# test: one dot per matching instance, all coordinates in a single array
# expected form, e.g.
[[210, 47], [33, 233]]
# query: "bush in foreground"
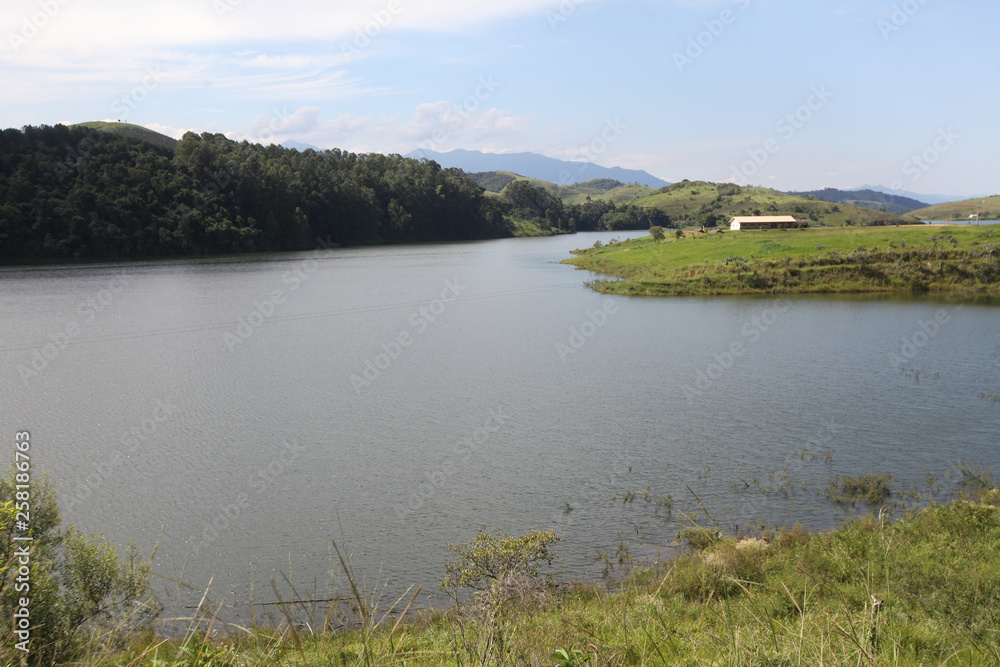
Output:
[[81, 592]]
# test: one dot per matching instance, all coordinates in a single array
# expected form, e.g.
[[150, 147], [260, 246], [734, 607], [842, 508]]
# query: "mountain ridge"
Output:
[[930, 199], [866, 199], [535, 165]]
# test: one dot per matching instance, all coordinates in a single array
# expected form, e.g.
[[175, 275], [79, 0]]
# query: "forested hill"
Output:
[[866, 199], [76, 192]]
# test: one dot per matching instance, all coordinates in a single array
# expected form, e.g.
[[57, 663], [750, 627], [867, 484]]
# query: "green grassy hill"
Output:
[[493, 181], [915, 258], [989, 209], [700, 202], [626, 193], [866, 198], [133, 132], [598, 189]]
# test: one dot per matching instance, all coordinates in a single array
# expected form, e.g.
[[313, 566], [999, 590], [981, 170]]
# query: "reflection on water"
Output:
[[252, 408]]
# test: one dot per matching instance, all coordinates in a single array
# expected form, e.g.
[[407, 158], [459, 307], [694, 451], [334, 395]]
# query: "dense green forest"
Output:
[[536, 203], [78, 192]]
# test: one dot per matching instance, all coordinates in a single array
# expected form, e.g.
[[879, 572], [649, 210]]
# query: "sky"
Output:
[[791, 94]]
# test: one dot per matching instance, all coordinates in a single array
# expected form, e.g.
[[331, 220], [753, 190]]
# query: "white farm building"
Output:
[[762, 222]]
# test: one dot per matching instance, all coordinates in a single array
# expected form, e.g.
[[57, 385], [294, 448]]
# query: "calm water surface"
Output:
[[253, 408]]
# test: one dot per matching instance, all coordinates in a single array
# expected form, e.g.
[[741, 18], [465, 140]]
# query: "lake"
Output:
[[242, 411]]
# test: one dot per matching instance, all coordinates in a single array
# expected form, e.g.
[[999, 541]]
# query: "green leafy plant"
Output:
[[571, 657], [487, 561], [82, 590], [504, 572], [870, 489]]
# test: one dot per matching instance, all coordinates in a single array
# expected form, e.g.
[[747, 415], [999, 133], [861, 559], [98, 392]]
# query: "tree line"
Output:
[[536, 203], [75, 192]]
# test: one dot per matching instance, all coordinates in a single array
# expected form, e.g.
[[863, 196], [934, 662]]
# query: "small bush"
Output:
[[488, 561], [870, 489], [700, 538], [82, 589]]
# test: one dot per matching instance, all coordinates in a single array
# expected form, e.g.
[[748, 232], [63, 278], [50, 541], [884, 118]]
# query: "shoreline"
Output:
[[868, 260]]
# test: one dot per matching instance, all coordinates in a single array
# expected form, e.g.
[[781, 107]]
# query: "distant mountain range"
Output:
[[866, 199], [300, 147], [533, 165], [930, 199]]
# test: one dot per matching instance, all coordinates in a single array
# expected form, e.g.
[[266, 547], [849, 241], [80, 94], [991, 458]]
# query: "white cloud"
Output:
[[439, 126], [177, 133], [279, 124], [115, 25]]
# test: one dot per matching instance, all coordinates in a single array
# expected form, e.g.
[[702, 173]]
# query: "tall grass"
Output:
[[912, 582]]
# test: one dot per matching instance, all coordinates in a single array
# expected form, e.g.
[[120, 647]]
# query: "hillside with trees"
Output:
[[77, 192], [115, 191], [967, 210], [537, 203], [704, 204], [865, 199]]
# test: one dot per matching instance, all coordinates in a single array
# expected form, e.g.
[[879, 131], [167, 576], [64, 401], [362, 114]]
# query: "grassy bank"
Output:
[[525, 228], [850, 259], [914, 588], [987, 208]]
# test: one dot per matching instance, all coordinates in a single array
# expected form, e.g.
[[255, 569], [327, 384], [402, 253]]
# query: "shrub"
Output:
[[486, 562], [503, 571], [81, 589], [870, 489]]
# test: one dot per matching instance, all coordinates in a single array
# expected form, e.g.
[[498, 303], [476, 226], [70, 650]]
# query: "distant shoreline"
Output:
[[909, 259]]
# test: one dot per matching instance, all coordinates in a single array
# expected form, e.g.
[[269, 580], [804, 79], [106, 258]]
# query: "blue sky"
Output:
[[793, 94]]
